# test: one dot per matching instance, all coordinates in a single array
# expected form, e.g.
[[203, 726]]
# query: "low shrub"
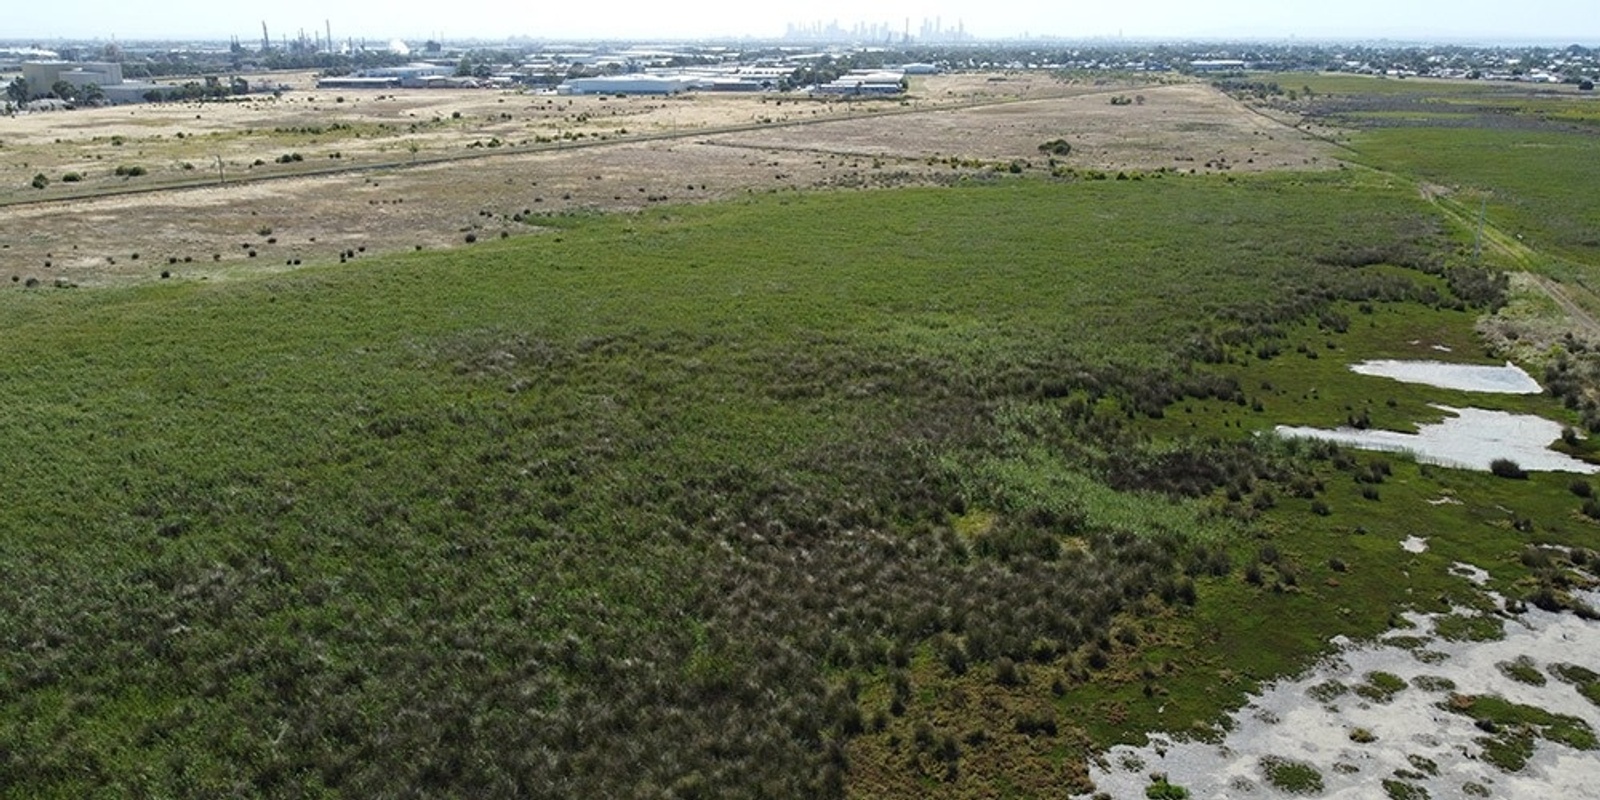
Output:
[[1290, 776], [1056, 147], [1162, 790]]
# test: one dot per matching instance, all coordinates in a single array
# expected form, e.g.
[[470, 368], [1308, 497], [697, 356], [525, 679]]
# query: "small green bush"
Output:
[[1591, 509], [1522, 670], [1381, 687], [1056, 147], [1293, 777], [1400, 790], [1327, 691], [1506, 468], [1162, 790]]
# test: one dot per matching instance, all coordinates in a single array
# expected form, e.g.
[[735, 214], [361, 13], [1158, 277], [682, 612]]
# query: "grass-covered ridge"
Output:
[[713, 500]]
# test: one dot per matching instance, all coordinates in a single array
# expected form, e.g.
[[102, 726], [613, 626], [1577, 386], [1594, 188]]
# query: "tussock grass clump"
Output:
[[1522, 670], [1515, 729], [1585, 680], [1328, 691], [1470, 627], [1401, 790], [1381, 687], [1161, 789], [1291, 776]]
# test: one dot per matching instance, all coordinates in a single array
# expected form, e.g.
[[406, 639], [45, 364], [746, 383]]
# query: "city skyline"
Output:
[[1551, 21]]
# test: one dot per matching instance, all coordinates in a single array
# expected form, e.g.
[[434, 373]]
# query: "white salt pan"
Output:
[[1469, 440], [1509, 379]]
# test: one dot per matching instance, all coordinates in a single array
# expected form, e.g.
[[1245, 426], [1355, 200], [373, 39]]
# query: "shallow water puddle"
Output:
[[1470, 439], [1509, 379]]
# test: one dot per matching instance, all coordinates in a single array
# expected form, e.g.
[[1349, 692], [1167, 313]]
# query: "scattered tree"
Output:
[[18, 91]]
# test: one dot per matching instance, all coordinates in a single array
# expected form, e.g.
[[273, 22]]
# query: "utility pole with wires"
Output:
[[1477, 240]]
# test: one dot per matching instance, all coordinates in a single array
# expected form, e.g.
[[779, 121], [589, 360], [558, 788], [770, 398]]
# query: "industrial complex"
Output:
[[627, 77], [102, 75]]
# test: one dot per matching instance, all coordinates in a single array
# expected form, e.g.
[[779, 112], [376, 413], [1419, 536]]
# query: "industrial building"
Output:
[[638, 83], [42, 75], [704, 79], [356, 82], [416, 75], [1217, 65], [866, 83]]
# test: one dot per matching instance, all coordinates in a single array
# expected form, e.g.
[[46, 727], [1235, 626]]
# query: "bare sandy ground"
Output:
[[529, 155], [1185, 126]]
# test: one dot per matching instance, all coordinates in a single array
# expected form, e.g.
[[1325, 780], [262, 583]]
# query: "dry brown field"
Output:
[[382, 171]]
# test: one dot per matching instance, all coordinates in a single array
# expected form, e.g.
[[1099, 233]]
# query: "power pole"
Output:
[[1477, 240]]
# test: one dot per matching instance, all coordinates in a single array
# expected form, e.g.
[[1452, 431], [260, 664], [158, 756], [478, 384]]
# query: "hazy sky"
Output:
[[1564, 21]]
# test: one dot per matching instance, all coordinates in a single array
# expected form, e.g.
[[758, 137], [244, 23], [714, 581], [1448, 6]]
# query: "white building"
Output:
[[638, 83], [41, 75], [866, 83], [1217, 65]]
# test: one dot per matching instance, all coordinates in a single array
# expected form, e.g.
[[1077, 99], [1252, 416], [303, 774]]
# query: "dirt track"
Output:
[[1585, 322]]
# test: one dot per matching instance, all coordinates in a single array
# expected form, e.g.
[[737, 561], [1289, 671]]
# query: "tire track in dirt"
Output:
[[1492, 237], [1525, 258], [1580, 317]]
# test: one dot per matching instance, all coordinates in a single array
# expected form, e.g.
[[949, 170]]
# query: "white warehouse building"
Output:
[[41, 75], [631, 84]]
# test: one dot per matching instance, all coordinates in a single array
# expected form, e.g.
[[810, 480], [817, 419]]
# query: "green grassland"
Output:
[[1513, 161], [892, 493], [1533, 179], [1529, 151]]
